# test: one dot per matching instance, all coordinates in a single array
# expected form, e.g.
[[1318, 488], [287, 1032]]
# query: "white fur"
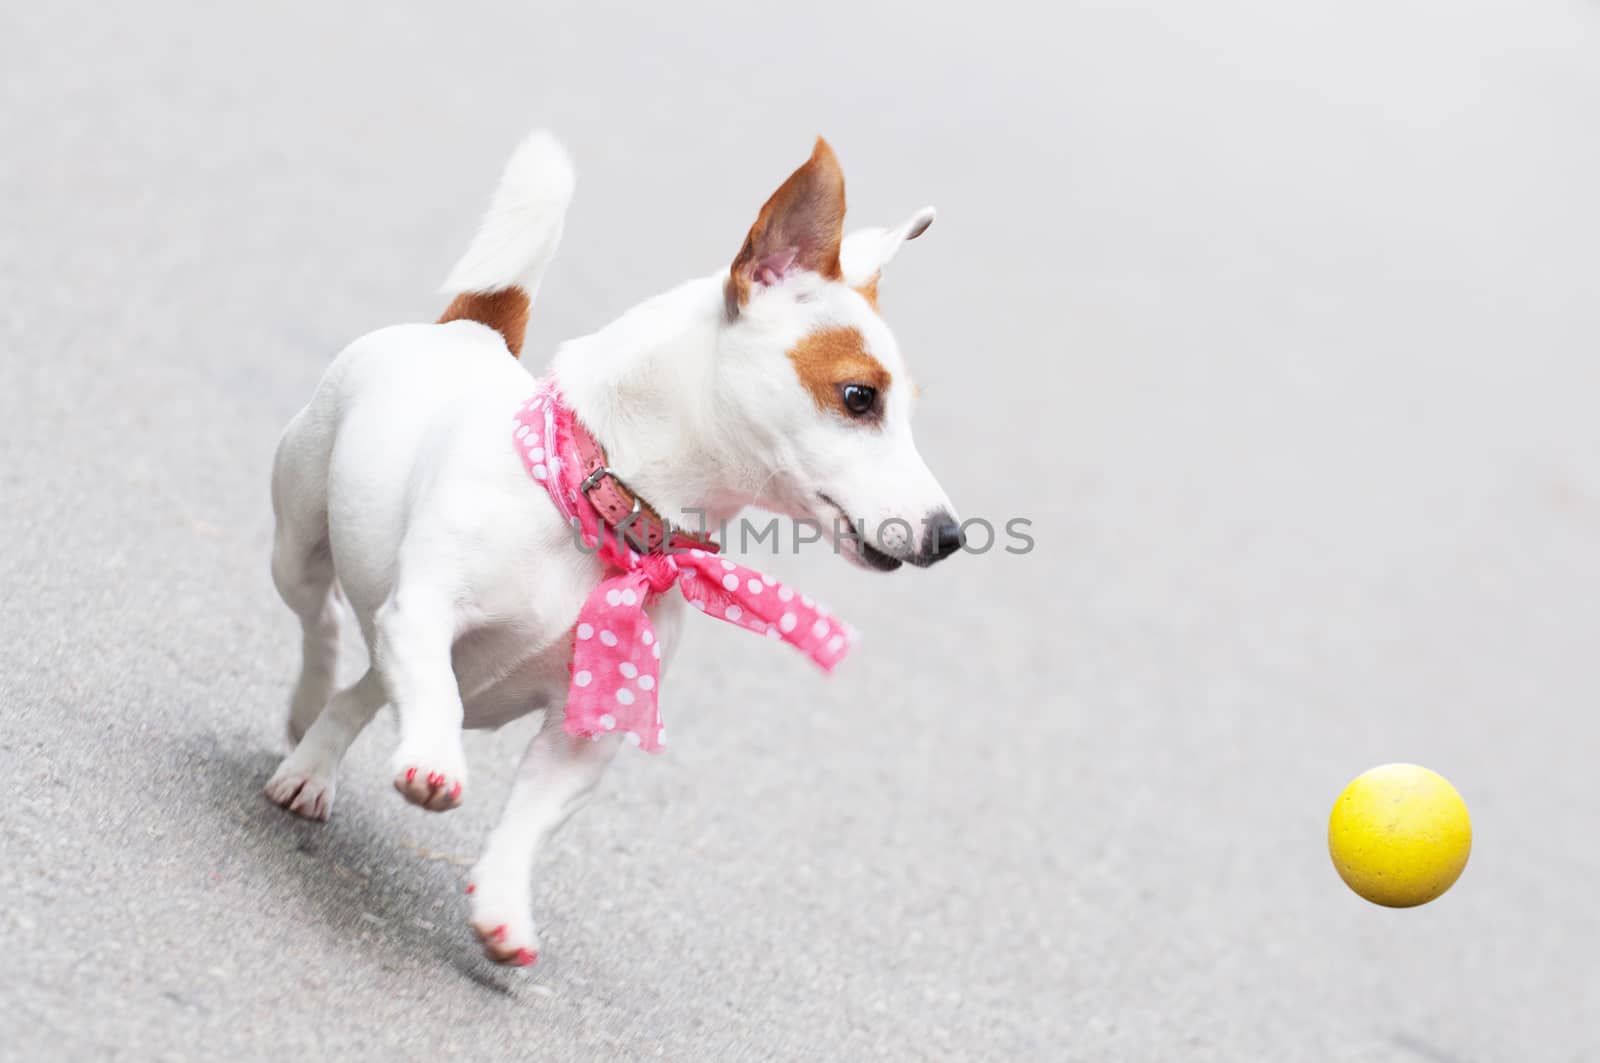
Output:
[[398, 482], [519, 234], [865, 252]]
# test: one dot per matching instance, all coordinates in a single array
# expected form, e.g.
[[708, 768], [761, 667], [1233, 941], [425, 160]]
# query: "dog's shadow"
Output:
[[348, 875]]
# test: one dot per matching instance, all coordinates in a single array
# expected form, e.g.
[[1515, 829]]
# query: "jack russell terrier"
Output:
[[501, 537]]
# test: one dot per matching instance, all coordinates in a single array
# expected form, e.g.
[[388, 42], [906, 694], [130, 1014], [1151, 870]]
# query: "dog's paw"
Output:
[[305, 793], [434, 782], [500, 919]]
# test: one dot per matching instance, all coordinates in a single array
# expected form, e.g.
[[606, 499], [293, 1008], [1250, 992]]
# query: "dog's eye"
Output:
[[860, 399]]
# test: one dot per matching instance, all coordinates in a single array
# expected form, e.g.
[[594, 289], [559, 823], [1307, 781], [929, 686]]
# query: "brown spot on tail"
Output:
[[505, 311]]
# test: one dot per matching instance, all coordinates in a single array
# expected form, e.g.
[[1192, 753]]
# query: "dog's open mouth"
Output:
[[853, 544]]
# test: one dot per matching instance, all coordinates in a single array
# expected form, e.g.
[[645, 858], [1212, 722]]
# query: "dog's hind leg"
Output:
[[319, 662], [302, 563], [304, 783], [557, 775], [411, 649]]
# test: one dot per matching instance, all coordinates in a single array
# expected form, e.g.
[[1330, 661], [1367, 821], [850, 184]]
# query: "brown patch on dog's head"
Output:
[[799, 227], [505, 311], [869, 292], [829, 359]]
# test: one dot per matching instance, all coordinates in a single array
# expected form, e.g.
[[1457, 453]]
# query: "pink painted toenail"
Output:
[[455, 791], [435, 780], [526, 957], [411, 774], [472, 887], [497, 933]]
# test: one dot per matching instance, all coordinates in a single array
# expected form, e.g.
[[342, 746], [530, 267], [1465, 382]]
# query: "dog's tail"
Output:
[[496, 280]]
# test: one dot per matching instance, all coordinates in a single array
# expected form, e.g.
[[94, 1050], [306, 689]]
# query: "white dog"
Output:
[[773, 383]]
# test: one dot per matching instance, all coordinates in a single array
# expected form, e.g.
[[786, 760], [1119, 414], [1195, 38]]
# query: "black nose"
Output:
[[944, 536]]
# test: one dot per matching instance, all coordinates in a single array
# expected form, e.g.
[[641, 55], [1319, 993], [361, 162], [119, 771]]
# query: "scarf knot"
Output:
[[660, 571]]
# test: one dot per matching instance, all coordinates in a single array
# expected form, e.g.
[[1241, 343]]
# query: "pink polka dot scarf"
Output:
[[616, 660]]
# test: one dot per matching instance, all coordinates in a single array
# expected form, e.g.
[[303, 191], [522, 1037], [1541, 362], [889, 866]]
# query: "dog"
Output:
[[773, 383]]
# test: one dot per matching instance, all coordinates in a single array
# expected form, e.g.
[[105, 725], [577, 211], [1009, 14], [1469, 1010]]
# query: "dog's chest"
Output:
[[521, 661], [504, 673]]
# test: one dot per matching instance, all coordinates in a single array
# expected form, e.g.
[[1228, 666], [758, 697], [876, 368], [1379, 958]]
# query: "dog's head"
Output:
[[811, 385]]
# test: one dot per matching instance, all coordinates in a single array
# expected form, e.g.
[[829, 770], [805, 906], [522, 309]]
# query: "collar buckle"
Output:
[[631, 527]]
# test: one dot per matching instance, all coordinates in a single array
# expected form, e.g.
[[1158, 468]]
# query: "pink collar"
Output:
[[616, 659]]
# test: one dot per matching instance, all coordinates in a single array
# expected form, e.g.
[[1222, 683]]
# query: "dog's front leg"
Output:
[[557, 774], [411, 651]]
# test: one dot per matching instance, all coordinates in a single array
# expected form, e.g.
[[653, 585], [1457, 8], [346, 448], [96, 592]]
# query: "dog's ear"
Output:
[[865, 252], [799, 228]]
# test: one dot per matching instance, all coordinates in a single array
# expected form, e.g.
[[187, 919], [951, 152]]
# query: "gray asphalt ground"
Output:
[[1280, 321]]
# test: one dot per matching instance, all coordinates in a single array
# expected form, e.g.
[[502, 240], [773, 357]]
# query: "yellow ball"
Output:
[[1399, 835]]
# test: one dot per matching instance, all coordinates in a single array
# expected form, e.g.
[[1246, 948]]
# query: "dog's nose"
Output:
[[944, 536]]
